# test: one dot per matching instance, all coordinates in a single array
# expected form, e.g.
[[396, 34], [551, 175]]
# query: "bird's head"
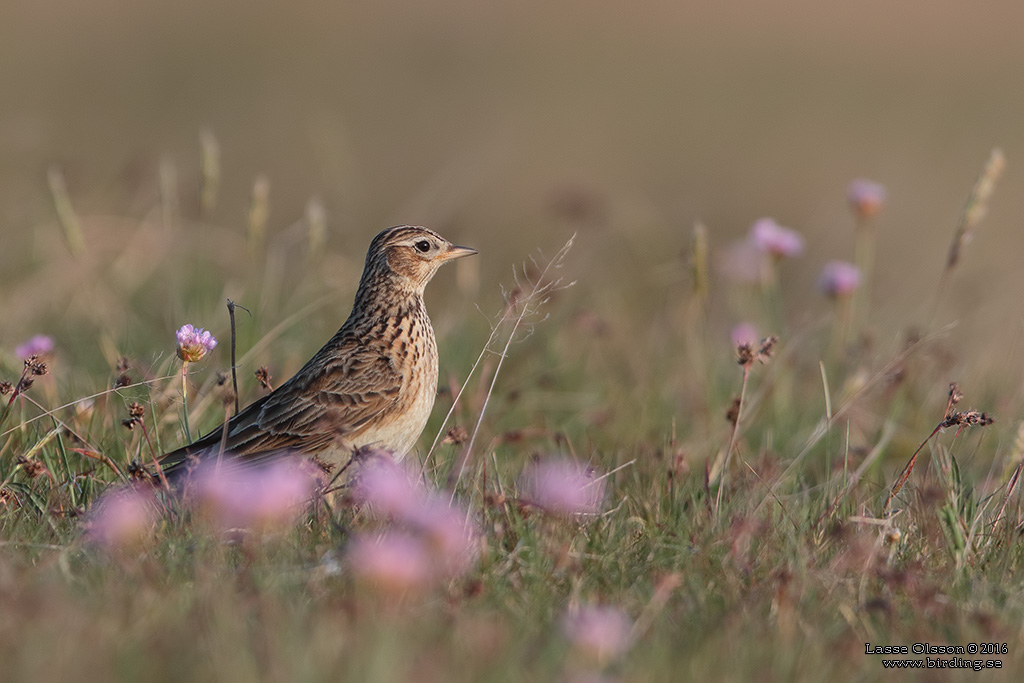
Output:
[[410, 255]]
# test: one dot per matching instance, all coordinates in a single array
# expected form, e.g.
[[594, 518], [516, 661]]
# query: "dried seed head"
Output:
[[123, 380], [745, 354], [263, 377], [224, 389], [970, 418], [8, 499], [135, 415], [767, 347], [138, 473], [35, 365], [979, 419], [6, 388], [954, 393], [123, 364], [456, 435], [31, 467], [733, 413]]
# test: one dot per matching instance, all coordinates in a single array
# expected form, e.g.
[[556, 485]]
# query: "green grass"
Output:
[[783, 572]]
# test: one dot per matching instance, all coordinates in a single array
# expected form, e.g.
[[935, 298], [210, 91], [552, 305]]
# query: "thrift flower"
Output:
[[839, 279], [744, 333], [741, 262], [238, 496], [121, 518], [865, 197], [393, 563], [39, 345], [389, 488], [564, 487], [600, 633], [771, 238], [393, 492], [194, 343], [450, 539]]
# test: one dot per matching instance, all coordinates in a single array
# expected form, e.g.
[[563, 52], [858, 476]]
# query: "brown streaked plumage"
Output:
[[371, 385]]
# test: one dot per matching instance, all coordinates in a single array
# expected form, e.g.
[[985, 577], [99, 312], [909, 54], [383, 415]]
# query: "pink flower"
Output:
[[39, 345], [436, 538], [866, 198], [393, 563], [121, 518], [393, 492], [563, 487], [389, 488], [239, 496], [742, 262], [839, 278], [773, 239], [601, 633], [744, 333], [194, 343], [450, 537]]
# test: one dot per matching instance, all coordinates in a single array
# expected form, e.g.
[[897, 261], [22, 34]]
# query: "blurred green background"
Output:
[[508, 126]]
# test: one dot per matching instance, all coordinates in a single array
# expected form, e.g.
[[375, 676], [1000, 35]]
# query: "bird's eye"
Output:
[[422, 246]]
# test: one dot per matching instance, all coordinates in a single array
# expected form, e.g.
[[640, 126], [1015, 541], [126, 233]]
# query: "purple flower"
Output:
[[239, 496], [121, 518], [839, 278], [601, 633], [563, 487], [392, 491], [393, 563], [194, 343], [773, 239], [39, 345], [744, 333], [866, 198], [742, 262], [389, 488], [450, 537]]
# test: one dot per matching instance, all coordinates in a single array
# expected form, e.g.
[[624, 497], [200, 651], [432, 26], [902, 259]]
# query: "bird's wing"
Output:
[[345, 385]]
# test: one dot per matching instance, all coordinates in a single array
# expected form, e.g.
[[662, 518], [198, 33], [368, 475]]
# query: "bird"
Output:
[[371, 386]]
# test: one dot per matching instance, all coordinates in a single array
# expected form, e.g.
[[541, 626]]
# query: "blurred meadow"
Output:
[[157, 159]]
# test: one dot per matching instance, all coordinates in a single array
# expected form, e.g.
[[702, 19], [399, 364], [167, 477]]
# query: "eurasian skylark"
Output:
[[371, 385]]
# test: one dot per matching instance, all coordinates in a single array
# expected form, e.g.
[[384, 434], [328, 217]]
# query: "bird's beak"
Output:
[[455, 252]]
